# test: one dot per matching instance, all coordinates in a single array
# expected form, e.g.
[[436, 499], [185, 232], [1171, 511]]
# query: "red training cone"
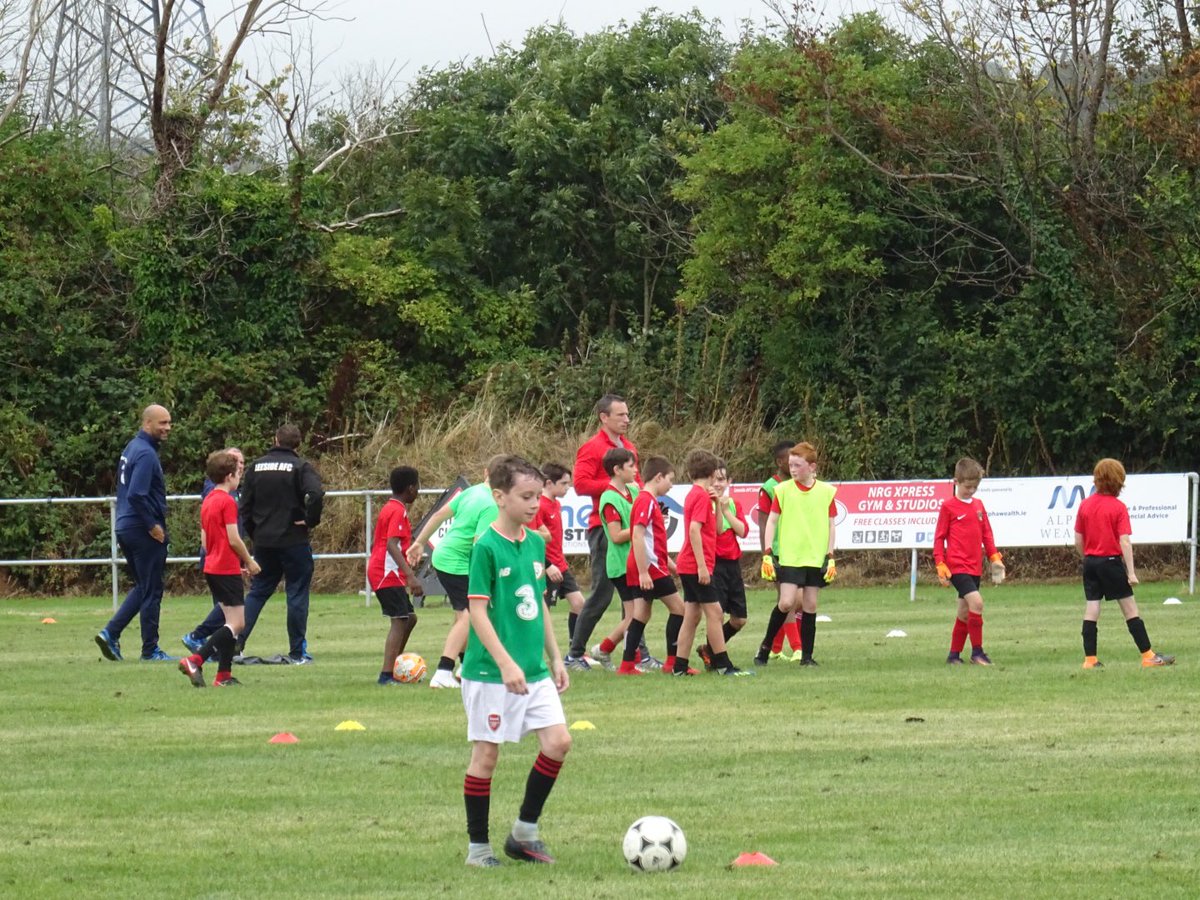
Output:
[[284, 737], [753, 859]]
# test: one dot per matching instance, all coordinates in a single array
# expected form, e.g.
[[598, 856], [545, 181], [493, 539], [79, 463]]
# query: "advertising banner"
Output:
[[891, 515]]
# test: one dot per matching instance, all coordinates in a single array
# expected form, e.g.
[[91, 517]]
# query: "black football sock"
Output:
[[729, 631], [446, 664], [778, 617], [571, 617], [537, 788], [478, 795], [721, 661], [222, 643], [808, 633], [674, 623], [681, 665], [1089, 637], [633, 637], [1137, 628]]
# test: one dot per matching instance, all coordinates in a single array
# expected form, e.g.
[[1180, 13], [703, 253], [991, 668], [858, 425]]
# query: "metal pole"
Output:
[[112, 547], [1194, 478], [912, 578], [367, 564]]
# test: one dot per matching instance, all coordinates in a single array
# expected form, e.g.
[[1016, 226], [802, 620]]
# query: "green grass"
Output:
[[882, 773]]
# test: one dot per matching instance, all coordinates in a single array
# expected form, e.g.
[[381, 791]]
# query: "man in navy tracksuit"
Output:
[[141, 535], [281, 500]]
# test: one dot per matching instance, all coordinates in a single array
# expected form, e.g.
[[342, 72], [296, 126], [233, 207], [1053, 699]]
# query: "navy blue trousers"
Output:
[[147, 561]]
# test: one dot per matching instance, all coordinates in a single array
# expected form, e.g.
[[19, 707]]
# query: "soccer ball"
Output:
[[654, 844], [409, 668]]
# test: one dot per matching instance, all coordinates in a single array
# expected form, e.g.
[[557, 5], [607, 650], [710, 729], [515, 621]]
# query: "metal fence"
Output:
[[115, 559]]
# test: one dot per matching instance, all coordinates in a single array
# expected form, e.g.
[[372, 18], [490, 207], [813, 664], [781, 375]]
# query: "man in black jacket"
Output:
[[281, 500]]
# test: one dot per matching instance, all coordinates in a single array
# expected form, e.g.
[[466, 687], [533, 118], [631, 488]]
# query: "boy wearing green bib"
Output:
[[616, 504], [470, 512], [803, 517]]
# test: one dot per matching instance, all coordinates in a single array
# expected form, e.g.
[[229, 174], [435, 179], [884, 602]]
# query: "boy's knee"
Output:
[[560, 744]]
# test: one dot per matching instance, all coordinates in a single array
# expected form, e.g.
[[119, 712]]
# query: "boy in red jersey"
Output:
[[648, 572], [727, 574], [803, 517], [548, 523], [388, 571], [962, 527], [224, 555], [512, 672], [1102, 537], [766, 496], [695, 564]]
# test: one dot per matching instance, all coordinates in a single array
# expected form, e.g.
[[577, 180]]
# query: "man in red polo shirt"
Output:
[[590, 480]]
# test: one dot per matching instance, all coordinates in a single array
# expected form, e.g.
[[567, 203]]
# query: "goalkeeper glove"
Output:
[[997, 561], [943, 571], [829, 570], [768, 568]]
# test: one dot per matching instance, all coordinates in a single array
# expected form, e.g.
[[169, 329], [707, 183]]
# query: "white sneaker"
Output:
[[443, 679], [605, 659]]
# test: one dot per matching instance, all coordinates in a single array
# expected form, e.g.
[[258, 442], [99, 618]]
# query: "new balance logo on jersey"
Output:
[[537, 570], [505, 572]]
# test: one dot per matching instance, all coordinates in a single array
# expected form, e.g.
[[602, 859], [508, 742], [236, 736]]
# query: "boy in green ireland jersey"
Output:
[[508, 690]]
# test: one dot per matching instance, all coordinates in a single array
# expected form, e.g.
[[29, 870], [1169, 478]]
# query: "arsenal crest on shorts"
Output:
[[494, 721]]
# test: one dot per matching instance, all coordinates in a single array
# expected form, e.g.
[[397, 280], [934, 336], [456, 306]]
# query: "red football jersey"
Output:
[[1102, 519], [647, 513], [549, 515], [698, 507], [962, 528], [216, 512], [393, 522]]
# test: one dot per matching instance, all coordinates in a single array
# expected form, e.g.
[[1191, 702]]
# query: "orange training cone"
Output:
[[49, 621], [753, 859], [284, 737]]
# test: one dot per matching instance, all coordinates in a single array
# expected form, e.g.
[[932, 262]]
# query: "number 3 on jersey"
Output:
[[527, 608]]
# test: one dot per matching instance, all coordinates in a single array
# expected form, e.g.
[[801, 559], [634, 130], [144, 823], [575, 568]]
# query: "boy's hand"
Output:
[[943, 572], [554, 573], [829, 570], [416, 589], [645, 582], [702, 574], [514, 678], [767, 570], [1131, 577], [558, 672], [252, 567], [414, 554]]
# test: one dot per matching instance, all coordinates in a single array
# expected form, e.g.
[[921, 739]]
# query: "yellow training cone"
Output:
[[49, 621], [350, 725], [583, 725]]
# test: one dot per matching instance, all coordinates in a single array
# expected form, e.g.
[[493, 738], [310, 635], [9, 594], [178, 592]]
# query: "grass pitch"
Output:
[[882, 773]]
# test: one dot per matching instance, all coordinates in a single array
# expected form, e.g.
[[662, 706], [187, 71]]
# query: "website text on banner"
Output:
[[891, 515]]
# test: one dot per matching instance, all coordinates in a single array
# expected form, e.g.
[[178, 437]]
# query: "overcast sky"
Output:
[[434, 34]]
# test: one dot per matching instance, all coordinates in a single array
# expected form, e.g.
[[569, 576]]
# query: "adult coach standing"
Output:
[[590, 480], [142, 535], [281, 501]]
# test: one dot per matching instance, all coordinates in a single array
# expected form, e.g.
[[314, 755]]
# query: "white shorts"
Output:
[[496, 715]]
